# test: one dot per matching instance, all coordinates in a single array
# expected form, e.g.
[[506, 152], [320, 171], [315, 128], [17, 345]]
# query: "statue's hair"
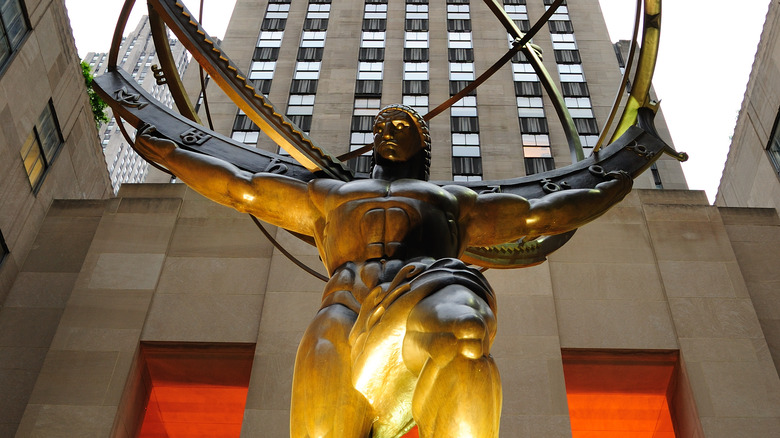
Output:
[[422, 128]]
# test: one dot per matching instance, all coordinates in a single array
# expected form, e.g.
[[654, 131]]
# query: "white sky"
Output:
[[706, 54]]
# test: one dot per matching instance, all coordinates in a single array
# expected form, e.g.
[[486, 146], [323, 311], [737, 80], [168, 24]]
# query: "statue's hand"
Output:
[[620, 183], [151, 147]]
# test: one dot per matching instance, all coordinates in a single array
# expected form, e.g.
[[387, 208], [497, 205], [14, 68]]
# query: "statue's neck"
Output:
[[390, 171]]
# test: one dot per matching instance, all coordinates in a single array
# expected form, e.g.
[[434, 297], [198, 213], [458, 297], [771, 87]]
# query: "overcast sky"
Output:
[[706, 54]]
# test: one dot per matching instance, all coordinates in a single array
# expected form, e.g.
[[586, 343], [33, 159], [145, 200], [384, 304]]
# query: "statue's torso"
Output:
[[377, 219]]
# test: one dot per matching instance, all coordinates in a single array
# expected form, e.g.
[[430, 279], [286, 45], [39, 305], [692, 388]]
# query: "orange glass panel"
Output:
[[195, 390], [619, 394], [412, 433]]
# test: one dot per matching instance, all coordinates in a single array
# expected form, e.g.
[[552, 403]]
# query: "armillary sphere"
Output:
[[633, 146]]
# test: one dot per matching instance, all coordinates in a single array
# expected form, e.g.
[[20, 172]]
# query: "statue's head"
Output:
[[401, 136]]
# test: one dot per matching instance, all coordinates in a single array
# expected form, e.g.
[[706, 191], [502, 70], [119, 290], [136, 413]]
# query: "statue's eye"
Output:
[[400, 125]]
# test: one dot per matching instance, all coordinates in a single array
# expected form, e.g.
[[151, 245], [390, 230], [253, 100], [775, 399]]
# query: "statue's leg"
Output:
[[324, 403], [447, 344]]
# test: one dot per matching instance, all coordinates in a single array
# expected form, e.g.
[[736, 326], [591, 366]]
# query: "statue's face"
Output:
[[396, 137]]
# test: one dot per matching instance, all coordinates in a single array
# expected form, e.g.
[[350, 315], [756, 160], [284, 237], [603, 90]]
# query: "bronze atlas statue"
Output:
[[404, 331]]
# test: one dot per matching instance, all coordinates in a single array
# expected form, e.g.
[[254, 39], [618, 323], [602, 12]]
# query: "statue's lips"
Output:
[[388, 146]]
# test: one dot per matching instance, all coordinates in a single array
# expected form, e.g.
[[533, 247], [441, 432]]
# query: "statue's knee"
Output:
[[468, 337]]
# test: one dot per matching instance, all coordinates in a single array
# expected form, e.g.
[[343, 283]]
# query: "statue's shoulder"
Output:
[[460, 192]]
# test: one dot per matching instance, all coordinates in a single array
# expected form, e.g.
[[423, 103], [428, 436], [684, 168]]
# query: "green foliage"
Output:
[[97, 104]]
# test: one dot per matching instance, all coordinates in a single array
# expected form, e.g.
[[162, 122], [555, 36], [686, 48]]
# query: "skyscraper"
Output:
[[139, 58], [332, 79]]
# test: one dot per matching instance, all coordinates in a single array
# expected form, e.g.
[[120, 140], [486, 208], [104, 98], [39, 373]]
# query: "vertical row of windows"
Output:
[[127, 167], [464, 121], [303, 88], [13, 28], [415, 86], [261, 70], [573, 84], [535, 134], [42, 146], [368, 87]]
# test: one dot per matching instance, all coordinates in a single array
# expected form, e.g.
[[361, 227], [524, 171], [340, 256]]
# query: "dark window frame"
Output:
[[4, 251], [467, 166], [47, 153], [773, 146], [20, 38]]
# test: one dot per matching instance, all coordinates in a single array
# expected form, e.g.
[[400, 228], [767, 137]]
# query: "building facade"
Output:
[[49, 150], [648, 314], [138, 57], [753, 164]]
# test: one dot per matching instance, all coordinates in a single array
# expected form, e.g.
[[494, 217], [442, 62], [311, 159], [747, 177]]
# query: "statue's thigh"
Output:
[[324, 402]]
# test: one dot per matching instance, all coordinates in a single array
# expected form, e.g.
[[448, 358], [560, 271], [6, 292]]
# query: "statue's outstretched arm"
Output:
[[277, 199], [499, 218]]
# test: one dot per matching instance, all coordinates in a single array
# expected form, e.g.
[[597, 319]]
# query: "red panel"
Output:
[[412, 433], [621, 394], [196, 390]]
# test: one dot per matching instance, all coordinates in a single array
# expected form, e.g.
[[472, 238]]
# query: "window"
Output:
[[773, 149], [42, 145], [316, 23], [461, 55], [579, 107], [368, 88], [371, 54], [313, 39], [3, 249], [310, 54], [300, 104], [13, 28], [415, 71], [530, 107], [459, 25], [567, 56], [366, 107], [262, 70], [274, 23], [416, 55], [374, 24], [457, 40], [266, 54], [370, 70], [373, 39], [523, 72], [461, 71], [416, 40], [575, 89], [465, 107], [270, 39], [419, 103], [467, 168], [516, 12], [307, 70], [624, 393], [206, 384], [416, 12], [571, 73], [416, 24], [563, 41], [303, 87]]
